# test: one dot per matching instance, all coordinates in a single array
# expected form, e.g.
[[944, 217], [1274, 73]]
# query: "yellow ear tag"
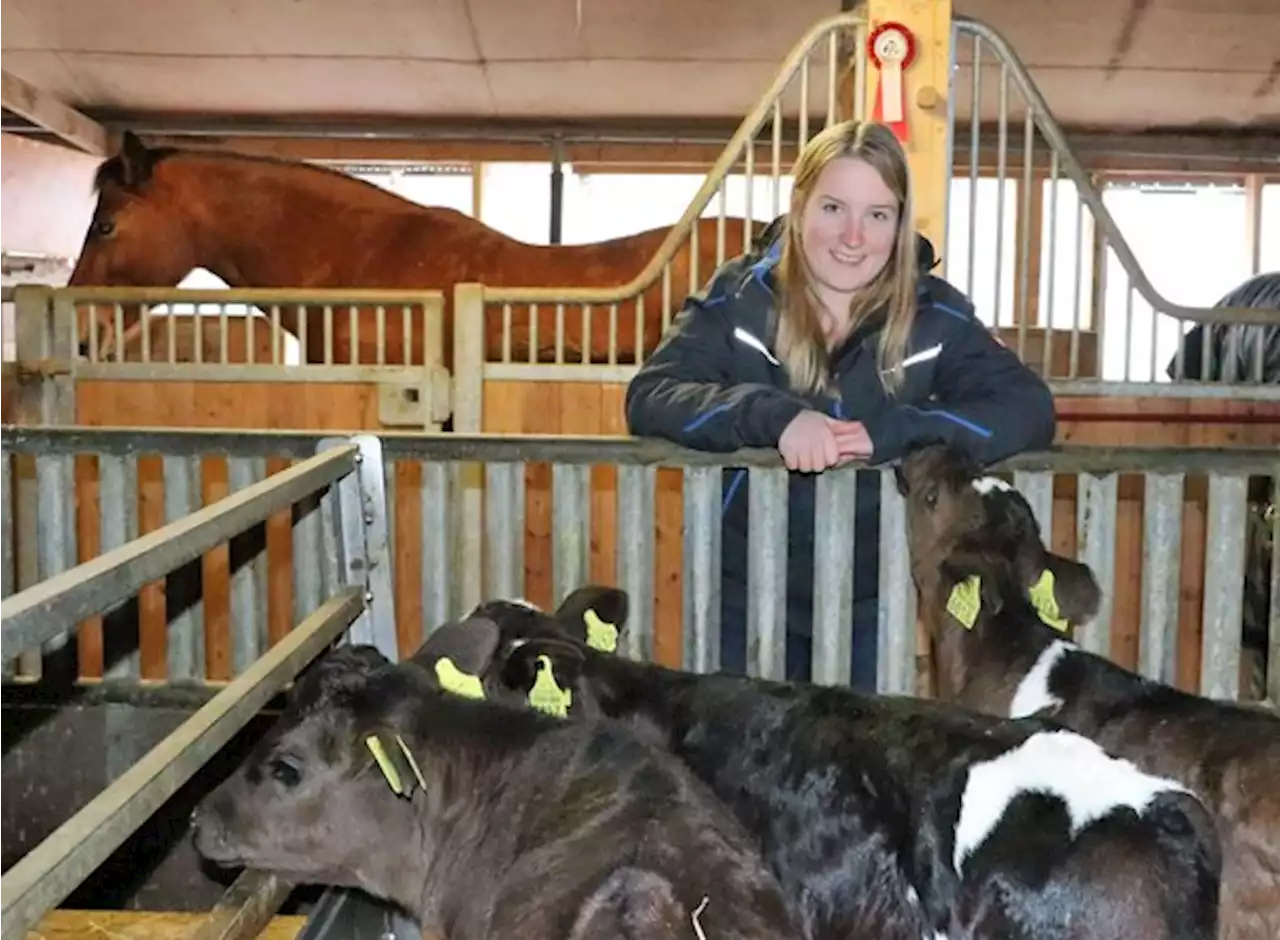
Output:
[[1046, 602], [546, 695], [395, 767], [452, 679], [413, 764], [965, 600], [385, 764], [601, 635]]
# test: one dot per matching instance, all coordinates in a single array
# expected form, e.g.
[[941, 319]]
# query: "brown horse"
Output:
[[265, 222]]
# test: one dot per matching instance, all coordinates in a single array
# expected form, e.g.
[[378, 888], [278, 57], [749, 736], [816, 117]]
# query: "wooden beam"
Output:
[[41, 108], [927, 82], [1253, 221]]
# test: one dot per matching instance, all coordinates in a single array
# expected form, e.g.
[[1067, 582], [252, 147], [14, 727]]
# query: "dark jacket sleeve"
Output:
[[686, 392], [984, 400]]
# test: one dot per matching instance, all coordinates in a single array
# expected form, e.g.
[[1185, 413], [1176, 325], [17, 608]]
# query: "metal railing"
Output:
[[352, 562], [449, 551], [343, 550], [1145, 334], [578, 333]]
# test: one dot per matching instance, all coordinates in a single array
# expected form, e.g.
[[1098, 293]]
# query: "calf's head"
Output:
[[977, 534], [513, 652], [317, 796]]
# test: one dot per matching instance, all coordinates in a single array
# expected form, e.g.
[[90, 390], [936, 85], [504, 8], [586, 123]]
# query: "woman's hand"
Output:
[[809, 443], [852, 440]]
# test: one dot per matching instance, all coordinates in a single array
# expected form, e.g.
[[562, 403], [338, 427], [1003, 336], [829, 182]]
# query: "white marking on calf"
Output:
[[1059, 763], [524, 603], [1033, 691], [985, 485]]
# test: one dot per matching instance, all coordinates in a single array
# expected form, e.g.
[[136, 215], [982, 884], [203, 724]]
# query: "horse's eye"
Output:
[[286, 772], [104, 227]]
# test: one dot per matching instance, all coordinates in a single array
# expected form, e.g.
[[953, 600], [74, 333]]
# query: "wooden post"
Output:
[[928, 83]]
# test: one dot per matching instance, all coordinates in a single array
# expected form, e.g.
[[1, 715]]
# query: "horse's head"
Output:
[[138, 237]]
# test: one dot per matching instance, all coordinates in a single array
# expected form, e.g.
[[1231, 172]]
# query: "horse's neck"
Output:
[[262, 225]]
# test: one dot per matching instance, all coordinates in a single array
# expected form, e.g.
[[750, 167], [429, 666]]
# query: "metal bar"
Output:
[[569, 449], [570, 528], [833, 547], [1273, 608], [7, 571], [1161, 561], [634, 533], [248, 580], [1037, 490], [41, 611], [504, 515], [701, 579], [437, 545], [308, 589], [1223, 586], [896, 660], [118, 510], [54, 868], [186, 626], [246, 907], [55, 515], [1096, 528], [360, 540], [767, 573]]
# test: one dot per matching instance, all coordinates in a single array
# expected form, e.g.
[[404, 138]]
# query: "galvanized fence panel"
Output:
[[66, 593], [1093, 295], [1153, 592], [570, 333]]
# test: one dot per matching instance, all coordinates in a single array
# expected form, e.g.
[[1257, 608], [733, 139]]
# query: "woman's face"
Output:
[[850, 225]]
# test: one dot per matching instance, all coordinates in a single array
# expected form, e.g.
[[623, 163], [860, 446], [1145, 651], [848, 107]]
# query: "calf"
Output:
[[486, 821], [887, 817], [998, 605]]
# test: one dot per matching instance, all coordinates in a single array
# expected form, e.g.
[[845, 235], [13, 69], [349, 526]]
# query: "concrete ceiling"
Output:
[[1117, 64]]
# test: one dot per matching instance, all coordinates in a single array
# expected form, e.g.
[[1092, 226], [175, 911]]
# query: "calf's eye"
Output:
[[931, 499], [286, 772]]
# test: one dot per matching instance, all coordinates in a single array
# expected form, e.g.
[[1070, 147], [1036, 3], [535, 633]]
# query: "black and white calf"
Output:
[[486, 821], [999, 607], [887, 818]]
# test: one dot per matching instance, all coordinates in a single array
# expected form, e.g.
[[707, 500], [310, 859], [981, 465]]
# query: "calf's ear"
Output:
[[595, 615], [469, 644], [395, 761], [545, 674], [343, 669], [1066, 593]]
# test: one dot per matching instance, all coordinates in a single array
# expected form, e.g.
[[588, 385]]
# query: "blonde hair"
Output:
[[802, 342]]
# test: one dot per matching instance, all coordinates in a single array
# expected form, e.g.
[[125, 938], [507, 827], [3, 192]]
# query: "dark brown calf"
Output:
[[884, 818], [1000, 636], [485, 821]]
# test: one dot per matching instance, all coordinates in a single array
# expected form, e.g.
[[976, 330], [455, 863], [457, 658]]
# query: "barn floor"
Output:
[[141, 925]]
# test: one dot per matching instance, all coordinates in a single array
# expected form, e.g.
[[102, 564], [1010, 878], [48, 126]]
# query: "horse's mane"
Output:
[[112, 171]]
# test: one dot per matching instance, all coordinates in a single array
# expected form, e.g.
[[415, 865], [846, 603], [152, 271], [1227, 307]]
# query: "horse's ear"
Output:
[[135, 160]]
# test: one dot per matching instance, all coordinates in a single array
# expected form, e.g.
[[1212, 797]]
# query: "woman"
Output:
[[835, 345]]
